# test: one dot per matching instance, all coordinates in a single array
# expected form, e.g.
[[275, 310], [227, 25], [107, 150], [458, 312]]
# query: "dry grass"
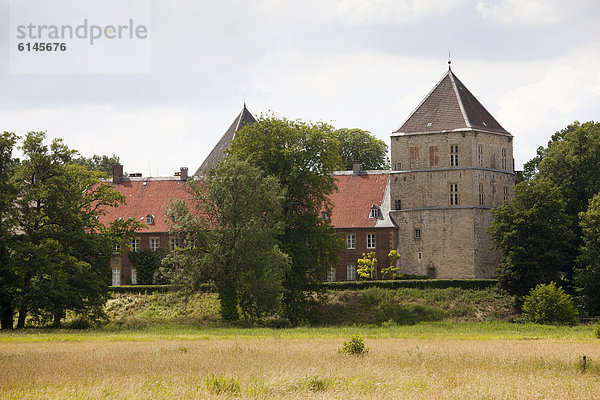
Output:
[[275, 367]]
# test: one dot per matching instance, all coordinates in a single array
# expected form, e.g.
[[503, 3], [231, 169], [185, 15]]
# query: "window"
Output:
[[330, 274], [414, 157], [116, 277], [398, 166], [419, 256], [173, 243], [454, 194], [350, 241], [149, 219], [324, 215], [434, 156], [351, 272], [374, 213], [505, 196], [398, 204], [135, 244], [417, 234], [503, 158], [370, 240], [481, 195], [134, 276], [480, 155], [154, 244], [117, 249], [454, 155]]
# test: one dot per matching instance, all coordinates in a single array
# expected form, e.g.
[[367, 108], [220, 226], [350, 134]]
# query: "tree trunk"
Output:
[[21, 320], [6, 316]]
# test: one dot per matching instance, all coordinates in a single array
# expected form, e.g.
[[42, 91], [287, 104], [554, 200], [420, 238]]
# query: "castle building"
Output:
[[452, 162]]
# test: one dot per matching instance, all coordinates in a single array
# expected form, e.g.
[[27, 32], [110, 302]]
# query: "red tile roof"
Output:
[[354, 198], [152, 198]]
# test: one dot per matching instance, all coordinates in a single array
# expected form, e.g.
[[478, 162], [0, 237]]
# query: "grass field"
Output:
[[494, 360]]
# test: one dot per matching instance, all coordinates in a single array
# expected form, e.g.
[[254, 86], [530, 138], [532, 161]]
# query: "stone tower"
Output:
[[452, 162]]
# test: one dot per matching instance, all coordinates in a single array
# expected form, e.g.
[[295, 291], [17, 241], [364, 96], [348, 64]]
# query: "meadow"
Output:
[[438, 360]]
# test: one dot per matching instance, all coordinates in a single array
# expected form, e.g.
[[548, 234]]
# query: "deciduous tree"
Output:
[[303, 157], [360, 145]]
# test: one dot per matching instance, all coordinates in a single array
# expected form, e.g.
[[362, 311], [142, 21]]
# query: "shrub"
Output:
[[354, 347], [597, 330], [475, 284], [549, 304]]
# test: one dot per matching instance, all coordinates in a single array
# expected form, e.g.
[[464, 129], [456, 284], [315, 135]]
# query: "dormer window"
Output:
[[149, 219], [374, 212]]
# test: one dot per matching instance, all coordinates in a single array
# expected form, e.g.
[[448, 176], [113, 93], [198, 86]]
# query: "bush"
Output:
[[222, 384], [354, 347], [597, 330], [549, 304]]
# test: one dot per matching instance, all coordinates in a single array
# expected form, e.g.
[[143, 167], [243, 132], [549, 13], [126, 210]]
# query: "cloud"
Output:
[[520, 12], [375, 12]]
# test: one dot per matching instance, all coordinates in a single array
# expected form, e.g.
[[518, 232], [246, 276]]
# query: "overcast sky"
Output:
[[534, 64]]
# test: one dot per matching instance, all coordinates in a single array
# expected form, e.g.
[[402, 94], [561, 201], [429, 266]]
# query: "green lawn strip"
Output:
[[433, 330]]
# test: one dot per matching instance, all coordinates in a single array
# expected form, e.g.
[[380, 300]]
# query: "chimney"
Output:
[[117, 173], [355, 167], [183, 173]]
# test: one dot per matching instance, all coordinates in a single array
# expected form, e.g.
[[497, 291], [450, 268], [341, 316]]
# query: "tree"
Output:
[[147, 264], [8, 195], [532, 232], [360, 145], [303, 157], [101, 163], [243, 209], [587, 278], [393, 271], [367, 266], [62, 252]]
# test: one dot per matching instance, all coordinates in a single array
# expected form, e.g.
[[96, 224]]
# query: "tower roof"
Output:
[[243, 118], [450, 106]]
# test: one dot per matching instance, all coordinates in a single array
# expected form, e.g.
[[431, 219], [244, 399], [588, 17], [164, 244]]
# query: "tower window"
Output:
[[481, 195], [480, 155], [398, 204], [417, 234], [505, 190], [503, 158], [454, 155], [454, 194]]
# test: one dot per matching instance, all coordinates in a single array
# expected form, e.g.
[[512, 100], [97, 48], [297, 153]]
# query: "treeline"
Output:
[[54, 254], [550, 231]]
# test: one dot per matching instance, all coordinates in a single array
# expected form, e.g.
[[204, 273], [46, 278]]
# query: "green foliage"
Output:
[[302, 156], [597, 330], [367, 266], [239, 252], [549, 304], [359, 145], [147, 263], [392, 271], [61, 255], [354, 347], [533, 235], [220, 384], [478, 284], [587, 279], [98, 163]]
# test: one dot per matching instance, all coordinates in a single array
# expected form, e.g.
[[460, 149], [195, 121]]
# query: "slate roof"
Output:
[[355, 196], [152, 198], [244, 118], [450, 106]]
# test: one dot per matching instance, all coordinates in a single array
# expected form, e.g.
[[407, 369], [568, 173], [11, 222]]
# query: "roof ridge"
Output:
[[460, 99]]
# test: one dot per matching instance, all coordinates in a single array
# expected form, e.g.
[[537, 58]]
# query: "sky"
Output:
[[534, 64]]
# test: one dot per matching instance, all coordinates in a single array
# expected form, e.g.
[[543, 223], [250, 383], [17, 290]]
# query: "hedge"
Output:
[[141, 289], [477, 284]]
